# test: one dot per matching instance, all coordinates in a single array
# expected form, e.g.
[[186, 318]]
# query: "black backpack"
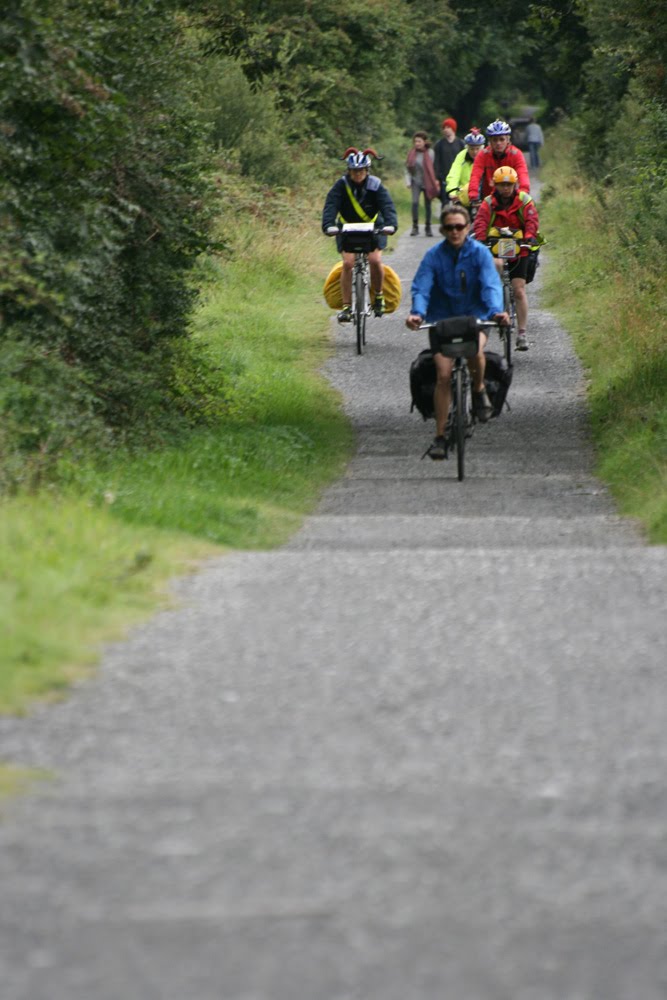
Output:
[[498, 379]]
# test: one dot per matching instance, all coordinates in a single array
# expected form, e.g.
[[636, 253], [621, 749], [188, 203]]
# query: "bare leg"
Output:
[[477, 365], [377, 271], [442, 396], [346, 278], [521, 299]]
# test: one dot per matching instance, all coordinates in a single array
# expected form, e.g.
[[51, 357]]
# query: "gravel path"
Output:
[[417, 754]]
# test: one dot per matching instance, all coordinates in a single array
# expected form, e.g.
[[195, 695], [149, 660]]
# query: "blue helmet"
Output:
[[358, 161], [474, 138], [498, 127]]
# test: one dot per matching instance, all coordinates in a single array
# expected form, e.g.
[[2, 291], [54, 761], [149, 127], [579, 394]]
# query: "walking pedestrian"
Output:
[[446, 150], [535, 139], [420, 176]]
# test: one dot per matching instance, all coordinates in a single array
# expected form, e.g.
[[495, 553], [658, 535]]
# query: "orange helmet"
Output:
[[505, 175]]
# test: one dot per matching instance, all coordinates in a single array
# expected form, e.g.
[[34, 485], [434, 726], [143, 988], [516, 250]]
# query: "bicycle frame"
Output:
[[360, 241], [361, 298], [507, 252], [461, 419]]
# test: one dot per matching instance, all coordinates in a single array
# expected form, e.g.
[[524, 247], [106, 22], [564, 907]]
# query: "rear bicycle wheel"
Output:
[[360, 311], [460, 417]]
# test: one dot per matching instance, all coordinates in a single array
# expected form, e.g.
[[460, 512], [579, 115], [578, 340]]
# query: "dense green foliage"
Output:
[[102, 218]]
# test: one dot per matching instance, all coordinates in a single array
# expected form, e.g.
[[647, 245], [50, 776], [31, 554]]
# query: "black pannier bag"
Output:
[[422, 383], [532, 266], [498, 379]]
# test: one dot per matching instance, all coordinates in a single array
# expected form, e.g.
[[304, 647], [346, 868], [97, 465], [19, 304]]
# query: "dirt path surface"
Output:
[[419, 753]]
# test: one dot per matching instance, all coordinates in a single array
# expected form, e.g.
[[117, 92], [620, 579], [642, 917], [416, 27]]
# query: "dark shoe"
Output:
[[415, 229], [437, 450], [481, 406], [345, 315], [378, 305], [428, 231], [521, 342]]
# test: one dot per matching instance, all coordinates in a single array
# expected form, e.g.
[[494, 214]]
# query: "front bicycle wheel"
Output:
[[360, 311], [460, 418]]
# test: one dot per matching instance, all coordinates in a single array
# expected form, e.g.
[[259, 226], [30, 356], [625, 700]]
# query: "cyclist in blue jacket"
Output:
[[358, 196], [457, 277]]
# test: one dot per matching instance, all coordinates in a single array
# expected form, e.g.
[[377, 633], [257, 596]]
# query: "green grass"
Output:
[[73, 576], [615, 311], [82, 563]]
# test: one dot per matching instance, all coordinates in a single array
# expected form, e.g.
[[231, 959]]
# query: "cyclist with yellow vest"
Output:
[[358, 196], [458, 177], [509, 208]]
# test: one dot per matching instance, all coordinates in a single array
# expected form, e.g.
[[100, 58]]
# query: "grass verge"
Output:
[[615, 310], [83, 563]]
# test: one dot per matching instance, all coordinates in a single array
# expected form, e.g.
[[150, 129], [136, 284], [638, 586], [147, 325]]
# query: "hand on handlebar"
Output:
[[414, 321], [389, 230], [502, 319], [332, 230]]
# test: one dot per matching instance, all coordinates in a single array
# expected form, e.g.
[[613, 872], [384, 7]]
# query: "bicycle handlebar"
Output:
[[482, 324], [386, 230], [522, 246]]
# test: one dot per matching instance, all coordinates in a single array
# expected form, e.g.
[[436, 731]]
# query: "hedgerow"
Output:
[[104, 210]]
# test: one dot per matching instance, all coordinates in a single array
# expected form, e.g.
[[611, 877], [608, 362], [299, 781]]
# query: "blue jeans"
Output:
[[534, 150]]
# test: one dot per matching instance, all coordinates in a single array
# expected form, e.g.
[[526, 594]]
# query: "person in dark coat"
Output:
[[445, 151], [358, 196]]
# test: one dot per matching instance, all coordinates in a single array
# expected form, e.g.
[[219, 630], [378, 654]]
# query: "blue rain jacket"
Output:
[[448, 283]]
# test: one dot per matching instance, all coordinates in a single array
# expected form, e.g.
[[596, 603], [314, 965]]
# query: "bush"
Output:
[[104, 213]]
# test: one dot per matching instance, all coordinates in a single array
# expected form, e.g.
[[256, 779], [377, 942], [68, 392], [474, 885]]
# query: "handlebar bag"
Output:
[[457, 337]]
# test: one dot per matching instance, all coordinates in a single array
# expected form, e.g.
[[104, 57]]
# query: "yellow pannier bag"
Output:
[[392, 288]]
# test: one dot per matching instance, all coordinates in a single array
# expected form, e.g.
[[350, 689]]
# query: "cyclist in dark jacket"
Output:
[[358, 196]]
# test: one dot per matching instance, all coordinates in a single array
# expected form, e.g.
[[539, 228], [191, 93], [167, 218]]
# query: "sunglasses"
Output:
[[458, 226]]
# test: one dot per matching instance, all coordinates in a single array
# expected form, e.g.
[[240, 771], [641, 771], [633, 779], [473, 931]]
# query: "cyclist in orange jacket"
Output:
[[499, 153], [510, 208]]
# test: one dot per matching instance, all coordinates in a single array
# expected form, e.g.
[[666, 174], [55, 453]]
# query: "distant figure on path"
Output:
[[535, 139], [420, 176], [446, 150]]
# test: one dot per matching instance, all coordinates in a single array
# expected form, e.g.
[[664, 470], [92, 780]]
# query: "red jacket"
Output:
[[520, 214], [486, 164]]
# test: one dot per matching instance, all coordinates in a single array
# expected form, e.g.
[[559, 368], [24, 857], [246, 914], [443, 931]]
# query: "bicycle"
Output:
[[357, 238], [458, 338], [508, 248]]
